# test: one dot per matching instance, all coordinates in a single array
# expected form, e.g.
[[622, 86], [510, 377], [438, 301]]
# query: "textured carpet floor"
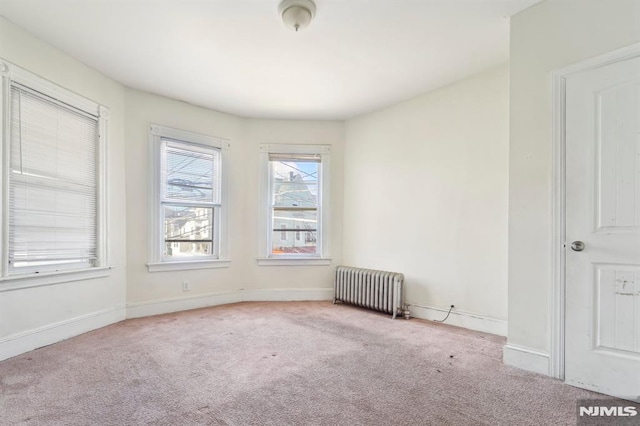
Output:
[[302, 363]]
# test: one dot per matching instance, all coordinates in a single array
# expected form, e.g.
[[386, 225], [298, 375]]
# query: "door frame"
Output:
[[558, 194]]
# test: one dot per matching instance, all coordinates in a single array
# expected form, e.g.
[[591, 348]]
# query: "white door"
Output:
[[602, 333]]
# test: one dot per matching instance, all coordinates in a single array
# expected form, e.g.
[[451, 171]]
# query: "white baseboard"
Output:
[[526, 359], [29, 340], [20, 343], [287, 295], [461, 319], [164, 306], [32, 339]]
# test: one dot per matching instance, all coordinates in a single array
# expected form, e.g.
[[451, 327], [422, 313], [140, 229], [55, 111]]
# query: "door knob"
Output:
[[577, 246]]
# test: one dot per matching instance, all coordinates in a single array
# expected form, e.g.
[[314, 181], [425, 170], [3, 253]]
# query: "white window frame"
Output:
[[322, 257], [220, 252], [9, 73]]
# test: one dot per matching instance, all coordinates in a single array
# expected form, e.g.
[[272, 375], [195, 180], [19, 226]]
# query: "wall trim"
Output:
[[526, 359], [556, 354], [155, 238], [176, 304], [288, 294], [29, 340], [32, 339], [558, 212], [164, 306], [460, 319], [323, 254]]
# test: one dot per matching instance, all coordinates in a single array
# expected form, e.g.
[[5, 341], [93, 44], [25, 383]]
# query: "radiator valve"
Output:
[[406, 312]]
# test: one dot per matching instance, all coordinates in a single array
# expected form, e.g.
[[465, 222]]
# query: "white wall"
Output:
[[141, 110], [424, 183], [303, 132], [548, 36], [65, 309], [426, 195], [162, 291], [37, 316]]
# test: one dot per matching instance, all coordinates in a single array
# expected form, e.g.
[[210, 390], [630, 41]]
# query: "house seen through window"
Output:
[[295, 206]]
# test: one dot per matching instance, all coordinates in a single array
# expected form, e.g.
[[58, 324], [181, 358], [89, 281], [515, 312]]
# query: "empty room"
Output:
[[320, 212]]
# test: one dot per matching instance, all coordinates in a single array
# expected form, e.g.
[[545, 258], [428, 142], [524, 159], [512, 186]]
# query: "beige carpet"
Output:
[[302, 363]]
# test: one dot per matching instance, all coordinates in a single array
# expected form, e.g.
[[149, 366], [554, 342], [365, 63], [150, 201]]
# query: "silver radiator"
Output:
[[378, 290]]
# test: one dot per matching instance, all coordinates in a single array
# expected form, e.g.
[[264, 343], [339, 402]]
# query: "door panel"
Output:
[[617, 157], [616, 308], [602, 334]]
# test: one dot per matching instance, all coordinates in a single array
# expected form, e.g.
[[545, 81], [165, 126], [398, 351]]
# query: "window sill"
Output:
[[300, 261], [17, 282], [188, 264]]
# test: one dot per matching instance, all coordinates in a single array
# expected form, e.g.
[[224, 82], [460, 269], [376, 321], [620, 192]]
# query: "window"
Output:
[[53, 167], [188, 200], [295, 202]]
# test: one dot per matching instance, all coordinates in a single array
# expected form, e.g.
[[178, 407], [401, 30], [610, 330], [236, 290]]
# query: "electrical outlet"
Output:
[[186, 286]]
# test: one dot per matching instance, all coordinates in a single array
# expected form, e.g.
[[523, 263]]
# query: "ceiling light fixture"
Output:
[[297, 14]]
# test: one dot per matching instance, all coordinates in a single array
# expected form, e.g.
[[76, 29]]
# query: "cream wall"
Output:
[[257, 132], [245, 135], [141, 110], [437, 147], [33, 317], [426, 195], [546, 37], [424, 184], [56, 308]]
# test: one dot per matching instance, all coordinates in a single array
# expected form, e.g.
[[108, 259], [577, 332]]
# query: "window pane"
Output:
[[295, 219], [188, 231], [295, 183], [306, 244], [192, 175]]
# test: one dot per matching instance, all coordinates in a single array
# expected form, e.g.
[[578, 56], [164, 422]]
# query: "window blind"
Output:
[[52, 183], [312, 158], [191, 173]]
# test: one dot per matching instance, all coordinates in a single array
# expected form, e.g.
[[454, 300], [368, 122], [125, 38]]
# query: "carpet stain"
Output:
[[17, 381], [279, 363]]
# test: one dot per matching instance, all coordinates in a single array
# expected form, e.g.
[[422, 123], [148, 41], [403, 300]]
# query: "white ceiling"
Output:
[[236, 56]]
